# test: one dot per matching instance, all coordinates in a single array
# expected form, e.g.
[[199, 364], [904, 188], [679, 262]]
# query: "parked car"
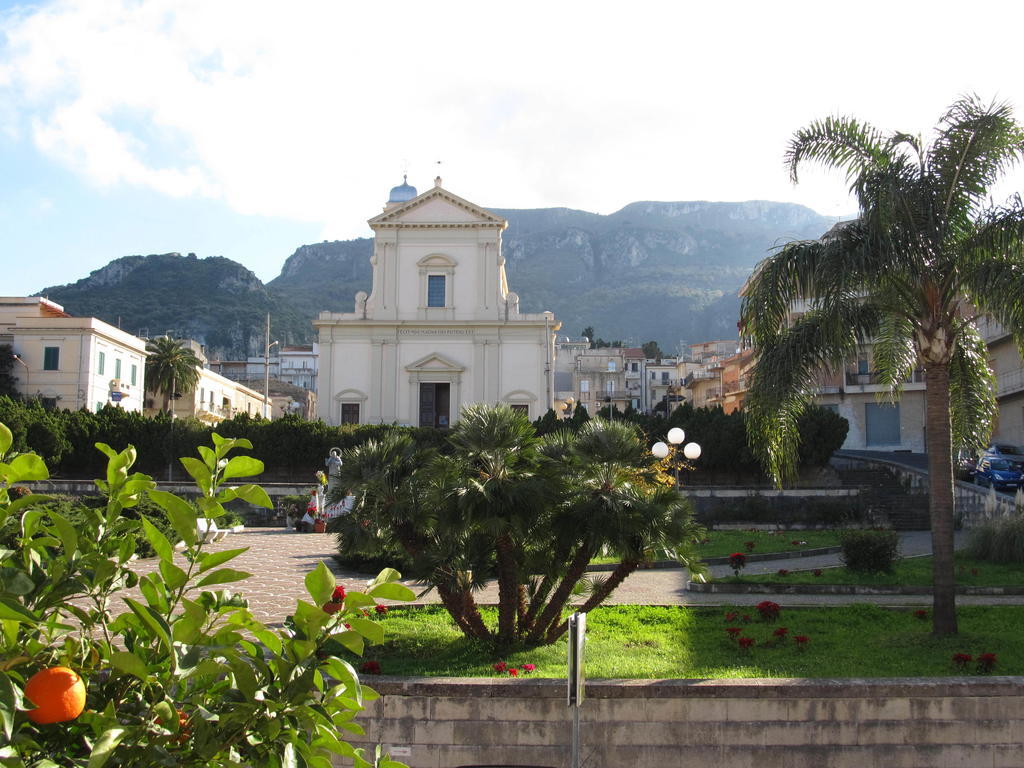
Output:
[[1012, 453], [964, 465], [999, 473]]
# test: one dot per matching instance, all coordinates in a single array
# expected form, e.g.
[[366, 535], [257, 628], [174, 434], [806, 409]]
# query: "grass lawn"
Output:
[[915, 571], [724, 543], [674, 642]]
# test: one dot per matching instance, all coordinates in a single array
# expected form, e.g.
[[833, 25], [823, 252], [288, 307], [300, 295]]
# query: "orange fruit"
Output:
[[58, 693]]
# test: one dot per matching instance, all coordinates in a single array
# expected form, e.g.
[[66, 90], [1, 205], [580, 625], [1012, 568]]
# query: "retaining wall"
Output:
[[847, 723]]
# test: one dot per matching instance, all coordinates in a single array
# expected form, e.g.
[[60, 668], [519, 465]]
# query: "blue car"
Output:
[[999, 473]]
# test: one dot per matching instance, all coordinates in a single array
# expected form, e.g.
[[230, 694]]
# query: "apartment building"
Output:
[[599, 379], [71, 362]]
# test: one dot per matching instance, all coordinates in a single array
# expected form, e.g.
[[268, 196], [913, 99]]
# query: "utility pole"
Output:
[[266, 371]]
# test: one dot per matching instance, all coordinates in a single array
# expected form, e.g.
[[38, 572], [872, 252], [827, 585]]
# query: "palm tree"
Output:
[[923, 260], [171, 368]]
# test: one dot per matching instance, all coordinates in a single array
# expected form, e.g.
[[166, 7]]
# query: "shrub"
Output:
[[186, 676], [998, 541], [870, 551]]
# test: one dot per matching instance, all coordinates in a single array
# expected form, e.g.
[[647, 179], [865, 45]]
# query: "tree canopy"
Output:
[[171, 368], [911, 275]]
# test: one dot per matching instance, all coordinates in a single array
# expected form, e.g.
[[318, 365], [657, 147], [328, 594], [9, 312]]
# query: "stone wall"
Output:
[[848, 723]]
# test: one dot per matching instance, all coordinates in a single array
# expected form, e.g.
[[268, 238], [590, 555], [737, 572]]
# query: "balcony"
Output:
[[1009, 382], [699, 376], [991, 330], [868, 379]]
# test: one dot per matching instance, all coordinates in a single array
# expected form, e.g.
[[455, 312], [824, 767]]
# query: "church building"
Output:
[[440, 329]]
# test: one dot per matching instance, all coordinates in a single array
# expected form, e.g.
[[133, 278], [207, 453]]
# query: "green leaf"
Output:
[[105, 746], [385, 576], [269, 638], [391, 592], [27, 467], [180, 514], [174, 576], [209, 457], [320, 583], [6, 439], [10, 701], [345, 674], [166, 714], [67, 533], [153, 589], [351, 640], [130, 664], [199, 472], [210, 560], [27, 501], [223, 576], [371, 630], [13, 611], [159, 542], [153, 621], [357, 600], [245, 679], [187, 625], [254, 494], [310, 618], [242, 466]]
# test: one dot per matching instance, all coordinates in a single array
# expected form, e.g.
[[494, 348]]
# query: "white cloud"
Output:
[[307, 110]]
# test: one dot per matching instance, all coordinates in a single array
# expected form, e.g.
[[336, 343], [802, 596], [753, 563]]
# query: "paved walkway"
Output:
[[279, 560]]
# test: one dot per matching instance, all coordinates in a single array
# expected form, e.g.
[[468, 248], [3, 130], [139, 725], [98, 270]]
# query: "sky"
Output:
[[245, 128]]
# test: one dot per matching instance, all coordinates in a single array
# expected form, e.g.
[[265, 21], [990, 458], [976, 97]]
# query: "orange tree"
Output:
[[185, 675]]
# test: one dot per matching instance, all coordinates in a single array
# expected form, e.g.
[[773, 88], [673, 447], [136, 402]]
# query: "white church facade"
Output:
[[440, 329]]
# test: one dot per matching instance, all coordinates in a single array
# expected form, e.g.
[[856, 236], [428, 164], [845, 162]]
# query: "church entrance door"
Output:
[[435, 405]]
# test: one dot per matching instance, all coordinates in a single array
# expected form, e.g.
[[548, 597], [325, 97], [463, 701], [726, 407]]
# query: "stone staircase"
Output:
[[886, 501]]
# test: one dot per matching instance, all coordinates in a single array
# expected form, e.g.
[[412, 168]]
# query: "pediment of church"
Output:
[[435, 363], [435, 207]]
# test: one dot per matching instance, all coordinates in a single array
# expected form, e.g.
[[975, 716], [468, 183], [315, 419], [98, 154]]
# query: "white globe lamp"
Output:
[[676, 435], [660, 450], [691, 451]]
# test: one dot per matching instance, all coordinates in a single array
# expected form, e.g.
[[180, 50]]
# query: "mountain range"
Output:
[[652, 270]]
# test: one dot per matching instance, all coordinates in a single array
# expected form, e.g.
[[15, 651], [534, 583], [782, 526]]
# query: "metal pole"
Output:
[[266, 370], [576, 737]]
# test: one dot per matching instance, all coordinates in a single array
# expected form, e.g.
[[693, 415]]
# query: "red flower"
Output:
[[745, 642], [962, 659], [333, 607], [513, 672], [783, 572], [986, 662], [381, 609], [974, 571], [365, 612], [733, 631], [347, 625], [338, 595], [795, 543], [529, 667], [781, 632], [370, 667], [737, 561], [769, 611], [749, 545], [745, 619], [801, 640], [730, 615], [501, 666], [817, 571], [921, 614]]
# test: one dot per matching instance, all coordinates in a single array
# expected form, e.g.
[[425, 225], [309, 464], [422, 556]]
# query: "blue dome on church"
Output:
[[402, 192]]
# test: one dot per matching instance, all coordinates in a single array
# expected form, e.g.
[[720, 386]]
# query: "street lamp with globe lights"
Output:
[[661, 450]]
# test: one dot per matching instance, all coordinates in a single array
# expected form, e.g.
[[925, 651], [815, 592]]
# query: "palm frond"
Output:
[[976, 144], [894, 352], [836, 142], [972, 391], [786, 373]]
